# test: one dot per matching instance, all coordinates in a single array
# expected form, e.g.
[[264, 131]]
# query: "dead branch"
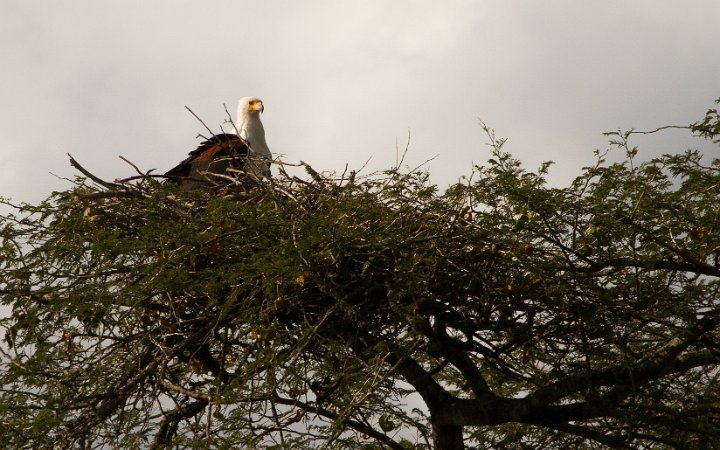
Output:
[[666, 127], [145, 174], [97, 180], [201, 121]]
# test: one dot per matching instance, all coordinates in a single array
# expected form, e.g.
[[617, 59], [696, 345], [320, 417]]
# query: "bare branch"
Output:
[[97, 180], [200, 120]]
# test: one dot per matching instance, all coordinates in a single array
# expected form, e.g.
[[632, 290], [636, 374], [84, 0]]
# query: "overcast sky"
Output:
[[344, 81]]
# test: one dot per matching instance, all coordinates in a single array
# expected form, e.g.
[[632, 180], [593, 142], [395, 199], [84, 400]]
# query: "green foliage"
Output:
[[709, 127], [370, 313]]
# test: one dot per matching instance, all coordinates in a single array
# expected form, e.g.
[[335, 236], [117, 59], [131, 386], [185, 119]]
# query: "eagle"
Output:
[[245, 150]]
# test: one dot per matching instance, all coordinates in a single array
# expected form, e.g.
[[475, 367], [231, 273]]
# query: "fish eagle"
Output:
[[245, 150]]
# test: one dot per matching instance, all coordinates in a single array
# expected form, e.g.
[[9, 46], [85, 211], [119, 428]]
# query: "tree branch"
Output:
[[358, 426], [85, 172], [169, 426], [663, 361]]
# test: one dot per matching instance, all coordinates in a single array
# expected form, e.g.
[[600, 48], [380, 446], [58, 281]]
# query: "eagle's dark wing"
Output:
[[214, 156]]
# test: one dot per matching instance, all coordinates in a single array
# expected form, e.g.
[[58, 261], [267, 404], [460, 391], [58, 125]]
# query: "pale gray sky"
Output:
[[343, 81]]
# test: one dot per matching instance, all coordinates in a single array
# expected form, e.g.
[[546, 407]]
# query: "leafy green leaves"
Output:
[[302, 313]]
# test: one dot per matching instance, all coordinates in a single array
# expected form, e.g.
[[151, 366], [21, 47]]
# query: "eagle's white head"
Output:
[[249, 127]]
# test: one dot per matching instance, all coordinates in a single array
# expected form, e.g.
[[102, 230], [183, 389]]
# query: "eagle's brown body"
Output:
[[208, 165], [219, 158]]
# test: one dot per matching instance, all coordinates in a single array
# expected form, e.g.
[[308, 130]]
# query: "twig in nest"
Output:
[[85, 172], [313, 173], [230, 120], [201, 121], [109, 194], [146, 174]]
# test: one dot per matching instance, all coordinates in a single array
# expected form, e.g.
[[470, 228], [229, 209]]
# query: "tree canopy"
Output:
[[370, 312]]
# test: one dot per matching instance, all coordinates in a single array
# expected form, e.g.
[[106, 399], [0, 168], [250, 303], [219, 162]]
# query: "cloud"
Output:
[[343, 81]]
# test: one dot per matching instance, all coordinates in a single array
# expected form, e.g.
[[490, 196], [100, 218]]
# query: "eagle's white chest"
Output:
[[252, 132]]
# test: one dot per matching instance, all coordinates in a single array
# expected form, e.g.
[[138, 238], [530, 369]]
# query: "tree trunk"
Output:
[[448, 437]]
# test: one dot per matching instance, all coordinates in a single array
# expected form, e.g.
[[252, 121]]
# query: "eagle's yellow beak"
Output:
[[257, 105]]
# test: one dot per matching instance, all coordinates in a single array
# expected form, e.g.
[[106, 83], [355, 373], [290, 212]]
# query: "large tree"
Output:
[[373, 312]]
